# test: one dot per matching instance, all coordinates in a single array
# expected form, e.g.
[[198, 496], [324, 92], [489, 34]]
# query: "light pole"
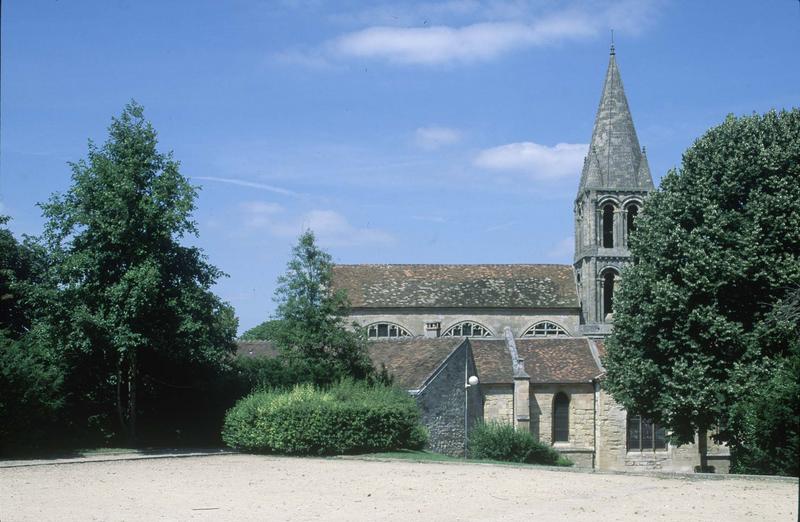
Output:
[[468, 382]]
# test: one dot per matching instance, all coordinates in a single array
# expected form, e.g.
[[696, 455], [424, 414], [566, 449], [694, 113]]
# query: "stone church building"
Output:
[[532, 334]]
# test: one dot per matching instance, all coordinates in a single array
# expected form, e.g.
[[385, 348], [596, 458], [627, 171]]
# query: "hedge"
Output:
[[500, 441], [348, 417]]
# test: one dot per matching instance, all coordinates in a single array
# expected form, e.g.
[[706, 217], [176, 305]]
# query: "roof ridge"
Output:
[[453, 264]]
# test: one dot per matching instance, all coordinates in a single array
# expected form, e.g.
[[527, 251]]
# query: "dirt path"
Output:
[[243, 487]]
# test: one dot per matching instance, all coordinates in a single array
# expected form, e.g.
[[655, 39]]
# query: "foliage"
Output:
[[21, 265], [500, 441], [697, 343], [127, 305], [311, 317], [261, 332], [348, 417], [766, 413], [30, 394]]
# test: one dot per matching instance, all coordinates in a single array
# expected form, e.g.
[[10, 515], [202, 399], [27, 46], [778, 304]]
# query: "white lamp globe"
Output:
[[473, 380]]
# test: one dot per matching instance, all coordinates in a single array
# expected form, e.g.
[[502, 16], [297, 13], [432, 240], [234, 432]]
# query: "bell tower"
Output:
[[614, 182]]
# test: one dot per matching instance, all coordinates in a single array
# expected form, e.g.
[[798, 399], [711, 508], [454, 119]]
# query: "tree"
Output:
[[698, 339], [21, 265], [129, 307], [30, 380], [311, 318], [261, 332]]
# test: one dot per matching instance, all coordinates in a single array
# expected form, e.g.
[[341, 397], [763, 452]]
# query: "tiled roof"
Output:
[[562, 359], [457, 286], [492, 360], [411, 360], [601, 347], [256, 349]]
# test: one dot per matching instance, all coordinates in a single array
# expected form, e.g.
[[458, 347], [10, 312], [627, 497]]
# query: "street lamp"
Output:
[[471, 381]]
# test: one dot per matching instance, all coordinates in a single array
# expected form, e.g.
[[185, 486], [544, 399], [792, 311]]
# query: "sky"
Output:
[[400, 132]]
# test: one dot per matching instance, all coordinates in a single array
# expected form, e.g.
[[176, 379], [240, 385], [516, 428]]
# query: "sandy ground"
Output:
[[243, 487]]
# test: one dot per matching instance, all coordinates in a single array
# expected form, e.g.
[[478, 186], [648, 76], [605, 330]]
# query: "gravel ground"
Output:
[[246, 487]]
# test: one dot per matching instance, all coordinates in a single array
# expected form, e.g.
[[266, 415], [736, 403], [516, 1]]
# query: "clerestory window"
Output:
[[467, 329], [386, 331], [545, 329]]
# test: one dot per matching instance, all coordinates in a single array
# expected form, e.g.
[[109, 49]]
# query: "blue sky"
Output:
[[448, 132]]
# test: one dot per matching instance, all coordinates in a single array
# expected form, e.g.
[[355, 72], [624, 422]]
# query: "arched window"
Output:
[[633, 213], [386, 331], [608, 292], [544, 329], [561, 418], [608, 226], [467, 329]]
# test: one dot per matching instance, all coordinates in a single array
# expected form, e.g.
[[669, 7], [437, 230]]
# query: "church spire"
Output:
[[615, 159]]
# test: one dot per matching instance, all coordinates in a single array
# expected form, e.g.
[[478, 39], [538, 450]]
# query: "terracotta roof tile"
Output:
[[457, 286], [411, 360], [563, 359], [493, 361], [601, 347], [256, 349]]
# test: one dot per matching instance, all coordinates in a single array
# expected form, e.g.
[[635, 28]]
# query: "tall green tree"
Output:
[[311, 324], [699, 338], [129, 307]]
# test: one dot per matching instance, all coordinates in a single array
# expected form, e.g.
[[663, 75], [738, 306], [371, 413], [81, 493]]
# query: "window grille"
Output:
[[644, 435], [467, 329], [545, 329], [386, 331]]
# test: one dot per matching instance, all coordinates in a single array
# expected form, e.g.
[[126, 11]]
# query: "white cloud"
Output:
[[539, 161], [250, 184], [330, 227], [469, 31], [432, 138], [259, 213], [442, 44]]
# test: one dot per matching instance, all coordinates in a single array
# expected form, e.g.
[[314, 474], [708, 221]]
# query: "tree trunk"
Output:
[[120, 411], [132, 396]]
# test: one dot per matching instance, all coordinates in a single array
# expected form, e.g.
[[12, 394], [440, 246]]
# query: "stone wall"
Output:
[[442, 403], [580, 447], [498, 403], [612, 452], [519, 321]]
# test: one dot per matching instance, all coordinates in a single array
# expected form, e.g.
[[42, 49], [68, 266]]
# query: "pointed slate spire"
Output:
[[615, 160]]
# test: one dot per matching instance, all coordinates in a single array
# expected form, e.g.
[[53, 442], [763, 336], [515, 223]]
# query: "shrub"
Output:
[[500, 441], [348, 417]]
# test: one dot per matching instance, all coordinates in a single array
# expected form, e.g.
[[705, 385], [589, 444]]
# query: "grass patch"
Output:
[[429, 456]]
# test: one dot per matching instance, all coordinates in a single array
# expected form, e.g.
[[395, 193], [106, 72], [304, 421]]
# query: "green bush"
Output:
[[500, 441], [349, 417]]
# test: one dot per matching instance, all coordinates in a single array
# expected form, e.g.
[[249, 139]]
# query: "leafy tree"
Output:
[[699, 340], [30, 379], [21, 265], [311, 326], [129, 307], [261, 332], [30, 391]]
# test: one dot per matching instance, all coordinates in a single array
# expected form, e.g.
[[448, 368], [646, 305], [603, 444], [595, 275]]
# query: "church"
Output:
[[531, 335]]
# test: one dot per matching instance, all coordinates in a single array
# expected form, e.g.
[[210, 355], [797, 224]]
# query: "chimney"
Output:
[[432, 329]]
